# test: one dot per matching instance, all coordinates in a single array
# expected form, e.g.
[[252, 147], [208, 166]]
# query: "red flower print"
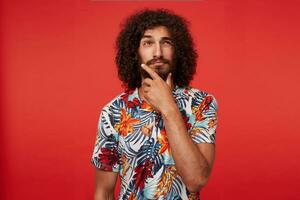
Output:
[[130, 104], [186, 121], [142, 172], [108, 158]]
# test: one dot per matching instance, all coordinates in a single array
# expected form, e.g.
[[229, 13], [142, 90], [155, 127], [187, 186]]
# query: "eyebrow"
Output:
[[149, 36]]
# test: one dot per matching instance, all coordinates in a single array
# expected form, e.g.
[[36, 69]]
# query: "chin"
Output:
[[164, 76]]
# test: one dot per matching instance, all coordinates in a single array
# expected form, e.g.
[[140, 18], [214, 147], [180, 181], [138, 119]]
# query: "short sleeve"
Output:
[[204, 119], [105, 154]]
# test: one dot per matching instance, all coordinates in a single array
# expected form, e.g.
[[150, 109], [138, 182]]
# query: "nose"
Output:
[[157, 51]]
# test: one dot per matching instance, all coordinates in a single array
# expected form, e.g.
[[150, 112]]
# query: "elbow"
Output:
[[196, 184]]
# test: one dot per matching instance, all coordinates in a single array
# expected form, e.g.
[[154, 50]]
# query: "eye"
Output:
[[147, 43], [168, 42]]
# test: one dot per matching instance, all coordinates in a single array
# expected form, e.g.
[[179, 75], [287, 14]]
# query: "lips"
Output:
[[158, 62]]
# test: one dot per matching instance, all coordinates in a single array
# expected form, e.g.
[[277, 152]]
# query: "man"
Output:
[[158, 135]]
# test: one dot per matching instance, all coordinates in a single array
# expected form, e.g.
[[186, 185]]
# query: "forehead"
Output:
[[158, 31]]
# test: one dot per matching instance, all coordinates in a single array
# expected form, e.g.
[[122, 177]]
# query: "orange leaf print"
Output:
[[195, 131], [145, 106], [132, 197], [204, 105], [126, 124], [147, 129], [165, 183], [212, 123], [163, 140], [125, 165]]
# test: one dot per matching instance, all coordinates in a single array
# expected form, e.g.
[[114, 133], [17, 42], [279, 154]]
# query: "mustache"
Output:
[[152, 61]]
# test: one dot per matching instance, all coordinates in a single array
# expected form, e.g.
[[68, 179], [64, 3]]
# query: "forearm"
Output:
[[190, 164]]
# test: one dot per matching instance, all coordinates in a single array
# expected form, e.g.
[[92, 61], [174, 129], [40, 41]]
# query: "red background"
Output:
[[57, 71]]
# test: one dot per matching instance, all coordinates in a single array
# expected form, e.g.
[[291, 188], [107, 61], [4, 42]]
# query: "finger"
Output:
[[150, 71], [169, 80], [145, 87], [147, 81], [146, 90]]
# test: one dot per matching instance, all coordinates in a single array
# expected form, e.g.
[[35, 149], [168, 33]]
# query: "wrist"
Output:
[[170, 110]]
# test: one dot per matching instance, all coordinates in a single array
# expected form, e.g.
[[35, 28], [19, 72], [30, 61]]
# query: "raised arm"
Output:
[[193, 161]]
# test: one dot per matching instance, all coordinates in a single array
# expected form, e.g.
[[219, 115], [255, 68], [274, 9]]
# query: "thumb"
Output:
[[169, 80]]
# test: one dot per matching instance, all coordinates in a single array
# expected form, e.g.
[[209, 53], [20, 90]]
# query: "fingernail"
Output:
[[142, 65]]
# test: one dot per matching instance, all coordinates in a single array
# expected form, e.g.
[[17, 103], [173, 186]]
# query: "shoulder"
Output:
[[116, 102], [197, 96], [193, 93]]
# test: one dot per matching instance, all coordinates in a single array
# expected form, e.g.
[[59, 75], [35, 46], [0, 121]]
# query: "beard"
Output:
[[160, 70]]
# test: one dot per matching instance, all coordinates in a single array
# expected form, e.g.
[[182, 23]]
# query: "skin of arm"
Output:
[[193, 161], [105, 185]]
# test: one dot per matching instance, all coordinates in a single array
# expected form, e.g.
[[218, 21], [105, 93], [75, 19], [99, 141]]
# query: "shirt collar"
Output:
[[135, 94]]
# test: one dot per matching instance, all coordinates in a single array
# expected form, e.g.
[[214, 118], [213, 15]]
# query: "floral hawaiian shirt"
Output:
[[132, 141]]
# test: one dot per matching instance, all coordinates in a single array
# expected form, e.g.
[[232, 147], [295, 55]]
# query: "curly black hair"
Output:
[[128, 41]]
